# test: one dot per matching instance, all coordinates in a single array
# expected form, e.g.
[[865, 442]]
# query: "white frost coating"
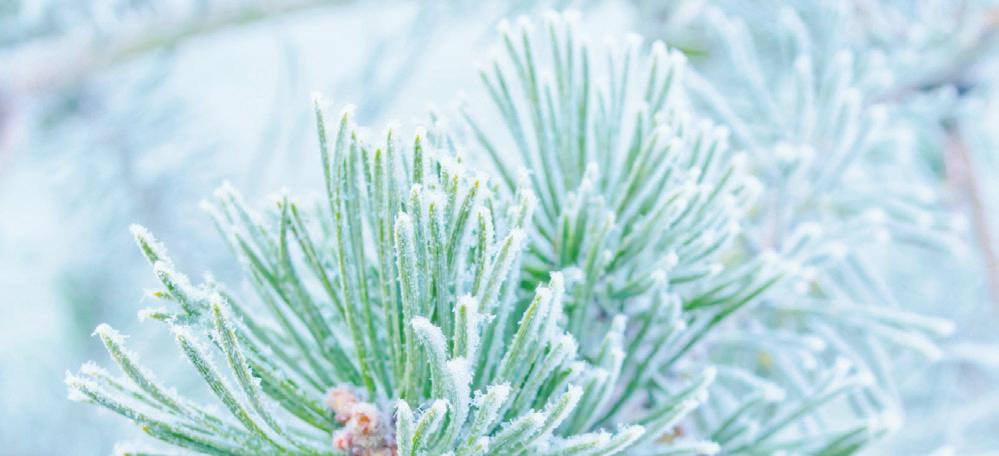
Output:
[[278, 197], [226, 190], [149, 312], [561, 409], [438, 407], [517, 237], [544, 297], [164, 269], [589, 440], [430, 332], [347, 111], [623, 438], [91, 368], [575, 393], [450, 164], [318, 99], [462, 375], [105, 331], [554, 311], [75, 384], [209, 208], [402, 408], [183, 333], [567, 345], [435, 198], [403, 221], [415, 192], [495, 394], [147, 240], [471, 309]]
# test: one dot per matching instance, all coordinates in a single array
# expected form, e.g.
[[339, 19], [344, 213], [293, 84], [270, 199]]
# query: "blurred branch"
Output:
[[958, 68], [961, 174], [51, 63], [957, 161]]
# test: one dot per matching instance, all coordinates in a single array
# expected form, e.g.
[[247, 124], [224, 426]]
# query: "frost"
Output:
[[75, 383], [105, 331], [655, 253]]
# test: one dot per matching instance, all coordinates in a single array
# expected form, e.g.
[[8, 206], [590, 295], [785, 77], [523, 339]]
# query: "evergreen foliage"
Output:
[[584, 300]]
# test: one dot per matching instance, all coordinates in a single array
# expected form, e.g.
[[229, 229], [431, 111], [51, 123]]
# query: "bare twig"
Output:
[[961, 175]]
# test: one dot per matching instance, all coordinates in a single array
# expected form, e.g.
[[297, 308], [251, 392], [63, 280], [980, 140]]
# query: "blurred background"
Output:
[[130, 111]]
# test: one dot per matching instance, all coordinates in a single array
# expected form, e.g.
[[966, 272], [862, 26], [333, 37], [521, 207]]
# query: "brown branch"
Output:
[[961, 175]]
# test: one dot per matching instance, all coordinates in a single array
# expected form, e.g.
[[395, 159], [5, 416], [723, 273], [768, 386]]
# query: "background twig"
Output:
[[961, 174]]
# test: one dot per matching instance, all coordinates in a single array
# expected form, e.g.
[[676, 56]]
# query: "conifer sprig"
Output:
[[585, 302]]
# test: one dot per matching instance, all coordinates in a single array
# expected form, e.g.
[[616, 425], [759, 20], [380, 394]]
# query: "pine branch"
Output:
[[602, 282]]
